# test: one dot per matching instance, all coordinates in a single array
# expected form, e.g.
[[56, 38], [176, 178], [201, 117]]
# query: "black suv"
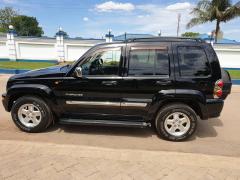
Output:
[[164, 82]]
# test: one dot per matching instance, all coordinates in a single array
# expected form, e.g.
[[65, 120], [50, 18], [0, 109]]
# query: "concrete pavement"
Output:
[[79, 152], [30, 160]]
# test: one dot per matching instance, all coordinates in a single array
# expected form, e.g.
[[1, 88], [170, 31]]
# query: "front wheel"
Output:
[[31, 114], [176, 122]]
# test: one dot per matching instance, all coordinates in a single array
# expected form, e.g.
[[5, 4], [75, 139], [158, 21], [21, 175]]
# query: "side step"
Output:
[[137, 124]]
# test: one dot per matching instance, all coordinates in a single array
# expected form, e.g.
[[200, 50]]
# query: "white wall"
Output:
[[46, 49], [36, 51], [229, 58], [3, 50], [74, 52]]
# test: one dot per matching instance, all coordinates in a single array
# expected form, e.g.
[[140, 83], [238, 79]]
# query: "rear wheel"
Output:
[[31, 114], [176, 122]]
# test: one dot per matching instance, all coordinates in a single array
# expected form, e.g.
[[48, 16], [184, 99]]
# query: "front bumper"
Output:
[[213, 108], [5, 101]]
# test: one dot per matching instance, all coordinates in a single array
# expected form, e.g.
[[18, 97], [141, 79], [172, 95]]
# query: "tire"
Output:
[[176, 122], [38, 118]]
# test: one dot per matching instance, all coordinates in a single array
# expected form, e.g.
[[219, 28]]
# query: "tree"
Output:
[[6, 16], [214, 10], [26, 26], [190, 34]]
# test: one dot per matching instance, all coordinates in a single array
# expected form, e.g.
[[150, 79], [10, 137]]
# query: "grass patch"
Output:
[[235, 74], [24, 65]]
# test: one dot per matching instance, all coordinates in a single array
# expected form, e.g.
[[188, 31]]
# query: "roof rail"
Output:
[[164, 39]]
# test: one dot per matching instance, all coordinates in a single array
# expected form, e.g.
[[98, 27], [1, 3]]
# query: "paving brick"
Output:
[[52, 161]]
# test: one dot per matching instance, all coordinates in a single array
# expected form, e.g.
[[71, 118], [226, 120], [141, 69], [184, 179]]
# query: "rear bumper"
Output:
[[213, 108], [5, 101]]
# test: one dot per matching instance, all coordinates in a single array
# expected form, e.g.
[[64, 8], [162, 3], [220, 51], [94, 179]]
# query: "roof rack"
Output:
[[166, 39]]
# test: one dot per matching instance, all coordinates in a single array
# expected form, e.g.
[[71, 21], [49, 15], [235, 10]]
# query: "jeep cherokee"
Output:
[[168, 83]]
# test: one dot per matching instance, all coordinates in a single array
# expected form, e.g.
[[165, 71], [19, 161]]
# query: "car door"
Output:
[[96, 94], [149, 71]]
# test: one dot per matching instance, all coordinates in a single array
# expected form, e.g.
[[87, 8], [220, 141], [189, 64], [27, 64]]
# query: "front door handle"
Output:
[[109, 83]]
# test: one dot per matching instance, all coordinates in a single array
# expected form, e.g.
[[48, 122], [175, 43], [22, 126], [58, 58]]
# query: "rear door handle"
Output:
[[109, 83]]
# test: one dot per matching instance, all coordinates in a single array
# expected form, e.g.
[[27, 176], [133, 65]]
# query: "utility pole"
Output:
[[178, 24]]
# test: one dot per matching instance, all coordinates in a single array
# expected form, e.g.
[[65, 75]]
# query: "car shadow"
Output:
[[206, 128], [103, 130]]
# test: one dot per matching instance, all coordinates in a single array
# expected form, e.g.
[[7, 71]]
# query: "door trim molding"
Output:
[[97, 103], [93, 103]]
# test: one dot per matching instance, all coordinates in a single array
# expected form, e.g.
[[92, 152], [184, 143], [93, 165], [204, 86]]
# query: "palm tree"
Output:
[[214, 10]]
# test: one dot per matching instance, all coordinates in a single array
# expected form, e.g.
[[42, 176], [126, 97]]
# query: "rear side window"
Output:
[[193, 61], [144, 62]]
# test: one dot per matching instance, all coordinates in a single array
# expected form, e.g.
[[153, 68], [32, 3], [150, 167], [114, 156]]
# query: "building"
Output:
[[225, 41]]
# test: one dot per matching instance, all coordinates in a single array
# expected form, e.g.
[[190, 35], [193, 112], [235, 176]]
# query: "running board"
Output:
[[137, 124]]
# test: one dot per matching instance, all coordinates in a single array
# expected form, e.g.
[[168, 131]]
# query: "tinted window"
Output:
[[148, 62], [193, 61], [103, 63]]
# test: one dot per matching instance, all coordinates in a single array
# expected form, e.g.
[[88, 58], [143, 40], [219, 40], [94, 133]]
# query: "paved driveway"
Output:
[[79, 152], [219, 136], [36, 160]]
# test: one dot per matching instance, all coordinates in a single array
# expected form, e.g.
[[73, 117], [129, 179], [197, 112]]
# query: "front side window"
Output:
[[193, 61], [103, 63], [145, 62]]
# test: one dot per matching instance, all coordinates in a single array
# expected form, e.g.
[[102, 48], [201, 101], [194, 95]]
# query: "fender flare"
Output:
[[164, 97], [31, 89]]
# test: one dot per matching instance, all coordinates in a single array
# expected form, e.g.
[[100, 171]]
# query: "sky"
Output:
[[93, 18]]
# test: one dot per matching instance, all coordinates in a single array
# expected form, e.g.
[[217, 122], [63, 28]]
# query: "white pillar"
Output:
[[11, 44], [109, 37], [60, 46]]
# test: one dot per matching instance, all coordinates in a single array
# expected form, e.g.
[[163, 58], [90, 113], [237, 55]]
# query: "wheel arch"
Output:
[[189, 102], [193, 98], [37, 90]]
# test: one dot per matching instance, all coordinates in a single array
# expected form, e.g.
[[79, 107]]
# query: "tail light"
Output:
[[218, 89]]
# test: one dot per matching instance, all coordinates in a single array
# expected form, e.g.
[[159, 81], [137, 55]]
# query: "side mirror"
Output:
[[78, 72]]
